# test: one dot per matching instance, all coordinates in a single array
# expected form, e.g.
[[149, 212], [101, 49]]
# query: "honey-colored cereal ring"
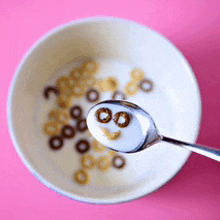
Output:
[[76, 112], [110, 84], [62, 117], [112, 153], [90, 82], [118, 93], [50, 89], [137, 75], [53, 142], [90, 94], [51, 128], [131, 88], [106, 111], [96, 146], [81, 125], [88, 161], [99, 85], [120, 159], [103, 163], [126, 117], [82, 146], [90, 66], [78, 90], [145, 82], [81, 176], [76, 74], [52, 114], [64, 101], [68, 131], [63, 83]]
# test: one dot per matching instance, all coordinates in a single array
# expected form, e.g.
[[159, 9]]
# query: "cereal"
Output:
[[137, 75], [146, 85], [63, 83], [68, 131], [126, 119], [81, 176], [118, 162], [51, 128], [88, 161], [110, 84], [112, 153], [99, 85], [92, 95], [131, 88], [78, 90], [81, 125], [51, 89], [82, 146], [103, 163], [107, 115], [64, 101], [76, 74], [76, 112], [62, 117], [52, 114], [96, 146], [110, 136], [55, 142], [90, 82], [90, 66], [118, 95]]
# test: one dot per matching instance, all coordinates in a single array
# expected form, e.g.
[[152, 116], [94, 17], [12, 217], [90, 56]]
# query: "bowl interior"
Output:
[[175, 105]]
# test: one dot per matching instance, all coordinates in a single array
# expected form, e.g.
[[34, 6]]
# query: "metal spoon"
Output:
[[146, 134]]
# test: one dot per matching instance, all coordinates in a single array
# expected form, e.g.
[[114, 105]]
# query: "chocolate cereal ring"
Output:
[[51, 89], [146, 85], [63, 83], [51, 128], [90, 66], [103, 163], [81, 176], [82, 146], [88, 161], [125, 116], [103, 111], [137, 74], [76, 112], [119, 94], [96, 146], [118, 162], [55, 142], [76, 74], [131, 88], [92, 95], [81, 125], [68, 131]]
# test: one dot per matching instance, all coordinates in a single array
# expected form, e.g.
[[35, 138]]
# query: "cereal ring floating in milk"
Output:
[[110, 84], [118, 162], [118, 95], [90, 82], [90, 66], [131, 88], [78, 90], [56, 142], [81, 125], [68, 131], [62, 117], [92, 95], [137, 75], [51, 128], [64, 101], [82, 146], [51, 89], [146, 85], [96, 146], [81, 176], [76, 74], [103, 115], [76, 112], [88, 161], [103, 163], [63, 83]]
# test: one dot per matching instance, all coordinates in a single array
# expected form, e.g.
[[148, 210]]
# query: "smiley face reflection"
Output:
[[114, 126]]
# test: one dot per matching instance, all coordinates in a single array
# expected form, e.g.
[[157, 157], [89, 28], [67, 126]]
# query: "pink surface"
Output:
[[194, 27]]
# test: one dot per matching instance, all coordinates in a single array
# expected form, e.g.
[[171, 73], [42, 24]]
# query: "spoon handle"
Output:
[[205, 151]]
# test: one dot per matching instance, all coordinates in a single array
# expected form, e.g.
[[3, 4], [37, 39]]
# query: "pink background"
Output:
[[194, 27]]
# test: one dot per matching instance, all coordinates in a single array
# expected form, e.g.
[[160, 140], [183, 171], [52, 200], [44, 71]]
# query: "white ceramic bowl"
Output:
[[174, 104]]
